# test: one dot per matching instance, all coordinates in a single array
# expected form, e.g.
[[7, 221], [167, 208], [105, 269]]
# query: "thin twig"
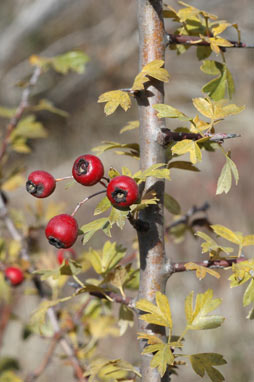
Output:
[[45, 362], [85, 200], [196, 40], [219, 264], [20, 109]]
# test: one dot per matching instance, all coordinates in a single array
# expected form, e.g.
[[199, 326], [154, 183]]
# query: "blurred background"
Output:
[[107, 32]]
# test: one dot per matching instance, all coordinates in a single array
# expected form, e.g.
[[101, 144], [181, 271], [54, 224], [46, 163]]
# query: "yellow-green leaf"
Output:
[[14, 182], [102, 206], [130, 126], [167, 111], [204, 362], [248, 296], [28, 127], [162, 358], [248, 240], [172, 204], [201, 271], [188, 146], [153, 69], [114, 99], [227, 234], [158, 314]]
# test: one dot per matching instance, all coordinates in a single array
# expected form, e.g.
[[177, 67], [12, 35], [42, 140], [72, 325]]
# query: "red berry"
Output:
[[88, 170], [65, 254], [40, 184], [14, 275], [122, 191], [62, 231]]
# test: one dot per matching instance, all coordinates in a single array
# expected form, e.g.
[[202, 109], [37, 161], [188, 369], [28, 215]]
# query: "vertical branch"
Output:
[[151, 243]]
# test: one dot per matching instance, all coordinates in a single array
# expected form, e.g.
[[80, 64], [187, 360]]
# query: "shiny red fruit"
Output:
[[62, 231], [122, 192], [14, 275], [87, 170], [65, 254], [40, 184]]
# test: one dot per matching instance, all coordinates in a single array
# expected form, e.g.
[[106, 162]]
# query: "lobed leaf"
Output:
[[167, 111], [158, 314], [114, 99], [188, 146], [204, 362]]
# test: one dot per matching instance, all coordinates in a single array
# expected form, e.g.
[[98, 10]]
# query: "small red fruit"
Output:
[[88, 170], [14, 275], [40, 184], [62, 231], [122, 192], [65, 254]]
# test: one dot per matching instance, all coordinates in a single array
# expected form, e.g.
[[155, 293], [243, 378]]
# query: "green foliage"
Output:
[[204, 363], [217, 87]]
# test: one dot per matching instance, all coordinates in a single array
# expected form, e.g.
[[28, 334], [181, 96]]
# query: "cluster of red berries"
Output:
[[62, 230]]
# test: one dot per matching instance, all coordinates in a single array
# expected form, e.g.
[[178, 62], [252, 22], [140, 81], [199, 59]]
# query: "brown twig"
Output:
[[20, 110], [45, 362], [196, 40], [219, 264], [169, 136]]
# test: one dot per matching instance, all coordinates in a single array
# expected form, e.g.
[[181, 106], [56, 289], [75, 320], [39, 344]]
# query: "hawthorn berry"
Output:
[[87, 170], [62, 231], [40, 184], [122, 191], [65, 254], [14, 275]]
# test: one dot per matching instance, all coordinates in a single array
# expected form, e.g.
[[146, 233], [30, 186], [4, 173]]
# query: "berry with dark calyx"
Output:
[[62, 231], [65, 254], [40, 184], [87, 170], [122, 191], [14, 275]]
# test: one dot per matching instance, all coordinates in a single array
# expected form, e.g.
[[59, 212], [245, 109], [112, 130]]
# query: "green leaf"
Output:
[[158, 314], [28, 127], [188, 146], [167, 111], [8, 363], [198, 319], [91, 228], [217, 87], [162, 358], [132, 149], [225, 178], [226, 233], [204, 362], [114, 99], [171, 204], [157, 170], [106, 259], [48, 106], [74, 60], [183, 165], [130, 126], [248, 296], [118, 217], [102, 206], [9, 376]]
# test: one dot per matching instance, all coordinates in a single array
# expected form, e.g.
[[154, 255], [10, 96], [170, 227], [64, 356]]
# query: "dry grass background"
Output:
[[107, 32]]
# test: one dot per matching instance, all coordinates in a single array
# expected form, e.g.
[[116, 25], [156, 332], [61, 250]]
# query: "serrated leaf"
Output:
[[248, 296], [201, 271], [118, 217], [91, 228], [114, 99], [204, 362], [211, 245], [167, 111], [158, 314], [162, 358], [225, 179], [102, 206], [153, 69], [198, 319], [227, 234], [183, 165], [151, 339], [171, 204], [130, 126], [156, 170], [216, 109], [188, 146]]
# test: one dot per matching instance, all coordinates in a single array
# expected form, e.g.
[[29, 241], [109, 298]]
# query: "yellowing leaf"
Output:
[[204, 362], [114, 99], [227, 234], [201, 271], [130, 126], [102, 327], [14, 182], [28, 127], [162, 358], [48, 106], [225, 178], [153, 69], [167, 111], [241, 272], [159, 314], [188, 146], [198, 319], [248, 297], [7, 112], [211, 245], [10, 376], [157, 170], [219, 28], [248, 240]]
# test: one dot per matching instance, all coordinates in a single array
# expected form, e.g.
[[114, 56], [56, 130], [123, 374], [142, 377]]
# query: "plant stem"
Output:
[[151, 242]]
